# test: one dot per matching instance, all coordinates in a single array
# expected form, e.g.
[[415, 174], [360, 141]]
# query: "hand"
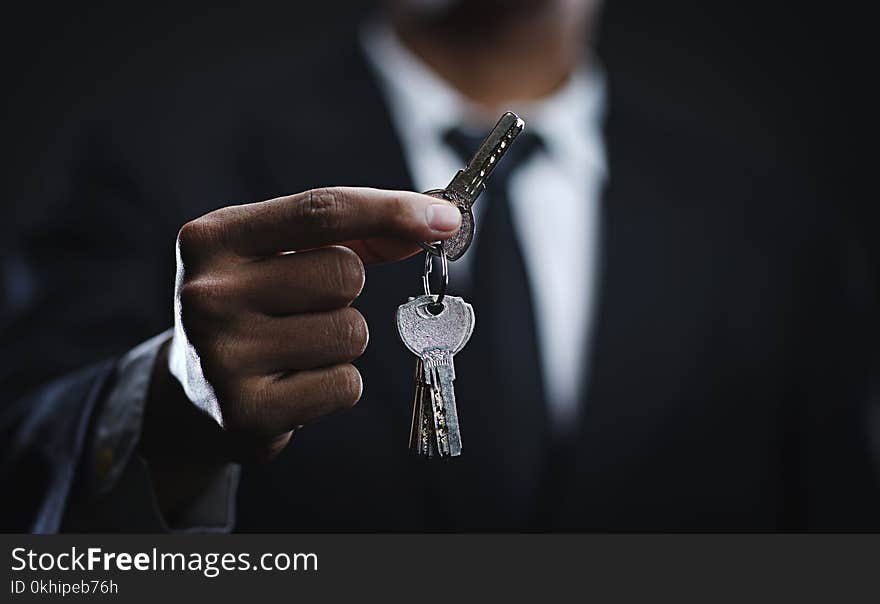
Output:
[[264, 337]]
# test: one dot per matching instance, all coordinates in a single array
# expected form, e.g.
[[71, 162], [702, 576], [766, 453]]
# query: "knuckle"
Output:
[[322, 208], [222, 356], [204, 297], [194, 236], [399, 207], [219, 358], [189, 236], [241, 415], [402, 216], [191, 298], [244, 406]]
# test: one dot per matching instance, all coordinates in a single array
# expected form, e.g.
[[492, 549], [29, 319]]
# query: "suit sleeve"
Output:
[[114, 490], [44, 436]]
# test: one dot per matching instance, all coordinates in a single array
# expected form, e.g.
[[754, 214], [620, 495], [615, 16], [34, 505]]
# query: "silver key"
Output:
[[435, 339], [422, 437], [467, 184]]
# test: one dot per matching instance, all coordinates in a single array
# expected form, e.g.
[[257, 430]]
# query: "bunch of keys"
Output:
[[436, 327]]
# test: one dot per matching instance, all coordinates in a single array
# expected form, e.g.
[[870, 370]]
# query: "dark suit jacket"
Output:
[[728, 359]]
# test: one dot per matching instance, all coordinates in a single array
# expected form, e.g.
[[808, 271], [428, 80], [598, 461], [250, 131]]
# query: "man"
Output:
[[663, 337]]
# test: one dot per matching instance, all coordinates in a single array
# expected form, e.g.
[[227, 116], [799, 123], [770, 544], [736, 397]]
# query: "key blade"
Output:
[[467, 184], [449, 441]]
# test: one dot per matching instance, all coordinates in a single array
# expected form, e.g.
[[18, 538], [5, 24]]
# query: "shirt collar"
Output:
[[432, 106]]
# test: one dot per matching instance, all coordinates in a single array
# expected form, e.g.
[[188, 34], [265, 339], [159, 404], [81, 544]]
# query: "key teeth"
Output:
[[434, 430]]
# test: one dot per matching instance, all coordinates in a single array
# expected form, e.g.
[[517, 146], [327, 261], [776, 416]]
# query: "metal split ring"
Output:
[[433, 249], [444, 274]]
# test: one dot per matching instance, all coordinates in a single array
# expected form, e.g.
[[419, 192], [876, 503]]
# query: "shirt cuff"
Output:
[[116, 467]]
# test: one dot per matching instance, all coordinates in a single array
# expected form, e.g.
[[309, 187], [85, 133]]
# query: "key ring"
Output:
[[433, 249], [444, 277]]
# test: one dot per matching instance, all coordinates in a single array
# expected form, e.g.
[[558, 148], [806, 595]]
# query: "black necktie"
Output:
[[501, 391]]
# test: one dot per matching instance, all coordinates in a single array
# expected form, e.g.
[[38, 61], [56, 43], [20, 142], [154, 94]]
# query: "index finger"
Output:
[[333, 215]]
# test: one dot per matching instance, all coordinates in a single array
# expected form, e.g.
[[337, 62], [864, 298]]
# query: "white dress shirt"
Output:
[[554, 195]]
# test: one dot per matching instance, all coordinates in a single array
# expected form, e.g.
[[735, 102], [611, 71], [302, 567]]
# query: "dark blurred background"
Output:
[[775, 81], [770, 78]]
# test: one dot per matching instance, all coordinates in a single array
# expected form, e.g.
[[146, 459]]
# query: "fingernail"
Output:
[[443, 217]]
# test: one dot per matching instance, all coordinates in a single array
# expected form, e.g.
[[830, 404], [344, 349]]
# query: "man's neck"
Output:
[[524, 59]]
